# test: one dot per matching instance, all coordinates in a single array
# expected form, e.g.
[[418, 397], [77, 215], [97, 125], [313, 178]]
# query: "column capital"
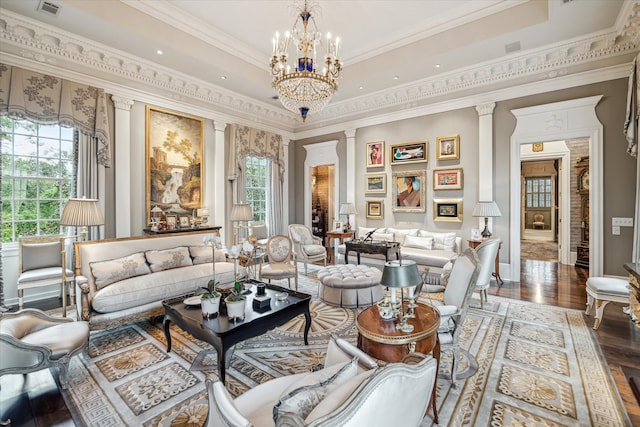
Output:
[[350, 133], [219, 126], [484, 109], [122, 102]]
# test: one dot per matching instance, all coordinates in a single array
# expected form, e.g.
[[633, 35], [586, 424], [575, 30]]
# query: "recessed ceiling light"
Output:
[[223, 77], [361, 87], [437, 65], [159, 52], [396, 77]]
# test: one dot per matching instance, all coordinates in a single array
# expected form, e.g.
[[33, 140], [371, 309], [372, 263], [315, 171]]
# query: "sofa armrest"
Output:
[[222, 410], [83, 307], [340, 351]]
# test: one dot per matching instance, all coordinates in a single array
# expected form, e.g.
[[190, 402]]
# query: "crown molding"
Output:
[[121, 73]]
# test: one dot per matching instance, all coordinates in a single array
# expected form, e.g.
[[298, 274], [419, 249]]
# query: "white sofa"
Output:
[[126, 279], [426, 248]]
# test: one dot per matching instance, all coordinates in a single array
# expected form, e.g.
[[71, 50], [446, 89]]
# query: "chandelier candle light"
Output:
[[304, 89]]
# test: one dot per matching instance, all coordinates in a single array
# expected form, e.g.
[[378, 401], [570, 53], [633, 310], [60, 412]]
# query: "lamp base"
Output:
[[486, 233], [347, 227]]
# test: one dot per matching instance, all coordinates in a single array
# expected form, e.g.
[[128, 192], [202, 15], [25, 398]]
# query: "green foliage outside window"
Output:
[[257, 179]]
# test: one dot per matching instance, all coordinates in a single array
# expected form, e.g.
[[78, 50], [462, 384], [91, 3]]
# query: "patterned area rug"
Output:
[[534, 362]]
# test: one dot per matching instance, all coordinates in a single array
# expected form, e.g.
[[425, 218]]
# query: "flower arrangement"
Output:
[[236, 293], [215, 242], [245, 253], [211, 291]]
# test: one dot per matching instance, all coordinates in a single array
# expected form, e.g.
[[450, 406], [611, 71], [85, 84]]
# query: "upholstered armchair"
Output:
[[307, 246], [340, 394], [453, 310], [279, 260], [42, 262], [31, 340], [486, 252]]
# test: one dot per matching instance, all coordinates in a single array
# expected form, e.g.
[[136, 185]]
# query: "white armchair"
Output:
[[359, 400], [453, 310], [487, 252], [307, 246], [279, 260]]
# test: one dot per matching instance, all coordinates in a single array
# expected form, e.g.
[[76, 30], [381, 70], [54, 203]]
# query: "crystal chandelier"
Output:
[[304, 89]]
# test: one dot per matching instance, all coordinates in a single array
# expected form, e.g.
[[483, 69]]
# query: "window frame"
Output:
[[259, 206]]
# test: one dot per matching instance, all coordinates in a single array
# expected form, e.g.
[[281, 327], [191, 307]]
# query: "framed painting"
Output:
[[409, 191], [412, 152], [174, 151], [375, 183], [448, 147], [447, 210], [375, 154], [337, 226], [172, 221], [375, 209], [185, 221], [447, 179]]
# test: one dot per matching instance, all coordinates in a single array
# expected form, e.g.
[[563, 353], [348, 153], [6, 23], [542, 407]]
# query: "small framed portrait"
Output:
[[448, 147], [375, 183], [412, 152], [447, 210], [409, 191], [375, 154], [447, 179], [172, 221], [337, 226], [476, 234], [185, 221], [375, 209]]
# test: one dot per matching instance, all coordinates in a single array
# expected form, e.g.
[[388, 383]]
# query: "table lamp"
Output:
[[82, 213], [240, 212], [486, 210], [347, 209], [401, 274]]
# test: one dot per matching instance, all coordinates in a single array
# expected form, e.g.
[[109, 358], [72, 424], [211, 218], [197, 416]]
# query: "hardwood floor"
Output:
[[34, 400]]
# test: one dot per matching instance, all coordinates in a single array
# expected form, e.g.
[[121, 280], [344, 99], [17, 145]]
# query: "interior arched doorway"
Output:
[[323, 153], [561, 120]]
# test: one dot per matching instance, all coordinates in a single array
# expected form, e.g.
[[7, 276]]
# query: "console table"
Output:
[[340, 235], [213, 228], [384, 248]]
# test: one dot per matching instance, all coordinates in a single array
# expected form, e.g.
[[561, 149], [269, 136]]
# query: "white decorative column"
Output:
[[351, 171], [215, 176], [286, 140], [485, 154], [123, 163]]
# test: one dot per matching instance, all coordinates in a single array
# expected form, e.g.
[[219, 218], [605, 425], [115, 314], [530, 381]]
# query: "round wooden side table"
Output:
[[379, 338]]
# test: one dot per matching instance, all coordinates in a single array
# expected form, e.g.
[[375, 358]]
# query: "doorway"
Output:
[[322, 195]]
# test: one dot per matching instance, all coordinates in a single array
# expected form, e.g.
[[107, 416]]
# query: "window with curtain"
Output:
[[38, 177], [257, 184], [538, 192]]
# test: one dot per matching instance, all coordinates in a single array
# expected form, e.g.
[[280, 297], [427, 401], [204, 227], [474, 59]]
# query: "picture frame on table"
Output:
[[448, 147], [409, 191], [174, 142], [375, 183], [375, 154], [184, 221], [374, 209], [447, 210], [410, 152], [447, 179], [337, 226], [172, 221], [476, 234]]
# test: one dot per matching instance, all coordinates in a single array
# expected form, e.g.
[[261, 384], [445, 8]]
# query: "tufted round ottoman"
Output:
[[349, 285]]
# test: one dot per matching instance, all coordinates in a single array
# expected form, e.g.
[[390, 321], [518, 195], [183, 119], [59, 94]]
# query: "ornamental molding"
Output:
[[54, 47]]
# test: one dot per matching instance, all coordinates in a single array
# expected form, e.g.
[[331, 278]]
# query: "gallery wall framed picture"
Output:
[[174, 152], [409, 191], [375, 154], [447, 210], [375, 183], [374, 209], [448, 147], [410, 152], [447, 179]]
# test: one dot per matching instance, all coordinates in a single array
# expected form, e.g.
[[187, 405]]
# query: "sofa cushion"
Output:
[[168, 258], [400, 233], [363, 231], [203, 254], [434, 258], [418, 242], [115, 270], [302, 400], [443, 241], [382, 236]]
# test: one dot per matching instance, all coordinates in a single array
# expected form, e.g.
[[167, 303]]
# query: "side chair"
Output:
[[279, 260], [487, 252]]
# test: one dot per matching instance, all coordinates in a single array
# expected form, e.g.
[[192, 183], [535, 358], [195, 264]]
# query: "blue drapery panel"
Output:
[[46, 99]]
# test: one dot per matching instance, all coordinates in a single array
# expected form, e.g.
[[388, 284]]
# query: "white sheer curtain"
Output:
[[246, 141]]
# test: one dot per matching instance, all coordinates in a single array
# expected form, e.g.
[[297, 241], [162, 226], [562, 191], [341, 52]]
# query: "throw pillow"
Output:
[[302, 400], [382, 236], [441, 241], [363, 231], [168, 258], [418, 242], [400, 233], [115, 270], [203, 254]]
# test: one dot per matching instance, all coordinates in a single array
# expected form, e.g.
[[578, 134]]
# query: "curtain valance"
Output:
[[46, 99], [246, 141]]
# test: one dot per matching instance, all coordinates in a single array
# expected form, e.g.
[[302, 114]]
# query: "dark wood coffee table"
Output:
[[223, 334], [375, 247]]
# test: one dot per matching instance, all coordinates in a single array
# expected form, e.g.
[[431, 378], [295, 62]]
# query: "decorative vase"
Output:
[[210, 306], [235, 309]]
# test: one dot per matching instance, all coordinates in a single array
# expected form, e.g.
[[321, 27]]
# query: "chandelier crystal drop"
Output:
[[302, 88]]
